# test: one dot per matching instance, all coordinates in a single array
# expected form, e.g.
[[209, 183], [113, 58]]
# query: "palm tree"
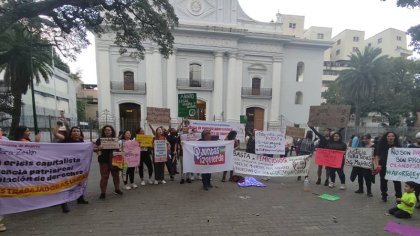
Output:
[[360, 81], [23, 56]]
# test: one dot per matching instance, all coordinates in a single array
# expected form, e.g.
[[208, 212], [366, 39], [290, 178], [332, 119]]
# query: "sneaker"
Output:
[[359, 191], [82, 201], [326, 183], [189, 181], [210, 186], [127, 187], [192, 178], [369, 195], [163, 182], [331, 185], [342, 187], [172, 178], [102, 196], [199, 177], [142, 183], [150, 181], [156, 182], [223, 179], [205, 188], [134, 186], [182, 181], [118, 192], [384, 198], [2, 228], [318, 182]]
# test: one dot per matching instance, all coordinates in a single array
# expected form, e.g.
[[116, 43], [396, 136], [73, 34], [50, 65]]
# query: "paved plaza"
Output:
[[281, 208]]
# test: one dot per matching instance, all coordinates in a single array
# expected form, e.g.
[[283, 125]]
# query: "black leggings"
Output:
[[399, 213], [365, 174], [129, 174], [145, 159]]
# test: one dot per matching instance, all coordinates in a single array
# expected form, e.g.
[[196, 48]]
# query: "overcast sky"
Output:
[[371, 16]]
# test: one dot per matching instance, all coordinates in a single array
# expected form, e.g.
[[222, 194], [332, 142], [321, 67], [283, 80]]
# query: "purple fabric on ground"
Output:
[[251, 181], [401, 229]]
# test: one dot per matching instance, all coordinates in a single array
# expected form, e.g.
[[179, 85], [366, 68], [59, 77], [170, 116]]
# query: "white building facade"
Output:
[[236, 65]]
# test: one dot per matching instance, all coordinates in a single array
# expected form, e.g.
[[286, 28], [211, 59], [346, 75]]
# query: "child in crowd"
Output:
[[406, 203]]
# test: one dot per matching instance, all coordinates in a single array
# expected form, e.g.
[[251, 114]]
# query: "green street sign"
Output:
[[243, 119], [187, 104]]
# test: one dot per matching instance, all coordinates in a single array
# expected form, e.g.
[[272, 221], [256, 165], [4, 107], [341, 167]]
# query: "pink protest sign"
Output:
[[329, 158], [132, 153]]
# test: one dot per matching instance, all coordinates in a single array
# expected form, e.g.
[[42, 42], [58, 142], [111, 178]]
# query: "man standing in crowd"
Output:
[[206, 178]]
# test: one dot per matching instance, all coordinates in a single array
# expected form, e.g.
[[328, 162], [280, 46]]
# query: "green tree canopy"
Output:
[[65, 22]]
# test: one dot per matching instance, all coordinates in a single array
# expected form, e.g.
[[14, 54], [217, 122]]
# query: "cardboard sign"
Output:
[[295, 132], [252, 164], [161, 151], [359, 157], [329, 158], [187, 104], [132, 153], [220, 129], [269, 142], [403, 164], [110, 143], [331, 116], [158, 115], [145, 141]]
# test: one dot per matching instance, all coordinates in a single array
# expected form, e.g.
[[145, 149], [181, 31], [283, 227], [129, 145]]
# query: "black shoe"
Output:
[[326, 183], [118, 192], [384, 198], [299, 178], [418, 206], [82, 200], [176, 172], [223, 179], [102, 196], [205, 188], [359, 191], [65, 208], [182, 181], [369, 195], [210, 186], [189, 180], [318, 182], [172, 178], [230, 179]]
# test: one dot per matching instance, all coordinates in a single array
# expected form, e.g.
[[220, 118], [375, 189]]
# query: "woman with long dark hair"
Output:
[[363, 173], [337, 143], [145, 160], [105, 163], [75, 135], [159, 166], [231, 136], [126, 136], [387, 141]]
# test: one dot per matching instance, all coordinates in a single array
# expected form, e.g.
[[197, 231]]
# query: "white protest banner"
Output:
[[252, 164], [359, 157], [403, 164], [161, 151], [38, 175], [269, 142], [132, 153], [207, 156], [220, 129]]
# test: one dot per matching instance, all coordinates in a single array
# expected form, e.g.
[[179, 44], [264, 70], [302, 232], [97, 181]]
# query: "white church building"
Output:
[[268, 71]]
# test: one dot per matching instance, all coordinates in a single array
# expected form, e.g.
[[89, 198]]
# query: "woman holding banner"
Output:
[[74, 136], [231, 136], [323, 143], [159, 166], [206, 177], [105, 163], [126, 136], [363, 173], [337, 144], [387, 141], [145, 160]]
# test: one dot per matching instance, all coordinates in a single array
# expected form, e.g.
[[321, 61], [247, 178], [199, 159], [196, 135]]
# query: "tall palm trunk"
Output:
[[16, 111]]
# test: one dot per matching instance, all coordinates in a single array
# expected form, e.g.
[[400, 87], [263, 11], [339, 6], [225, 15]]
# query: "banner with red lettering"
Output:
[[329, 157], [403, 164], [207, 156]]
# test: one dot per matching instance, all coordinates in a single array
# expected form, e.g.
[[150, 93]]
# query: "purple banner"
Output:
[[38, 175]]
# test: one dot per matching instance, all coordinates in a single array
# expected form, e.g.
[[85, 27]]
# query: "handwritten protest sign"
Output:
[[295, 132], [329, 116], [359, 157], [269, 142], [118, 160], [110, 143], [132, 153], [403, 164], [252, 164], [158, 115], [161, 151], [146, 141], [220, 129], [38, 175], [207, 157], [190, 137], [329, 158]]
